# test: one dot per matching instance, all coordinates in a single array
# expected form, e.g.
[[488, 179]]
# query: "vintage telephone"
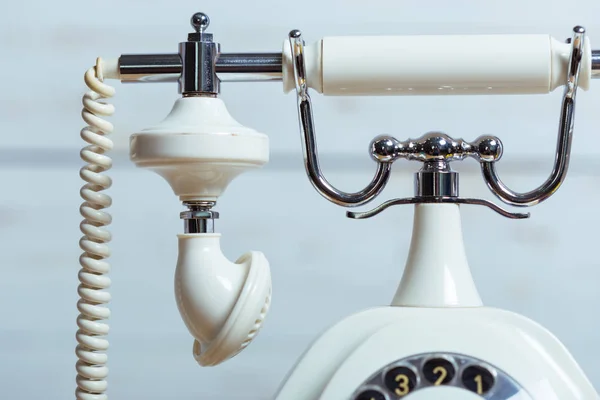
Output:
[[384, 353]]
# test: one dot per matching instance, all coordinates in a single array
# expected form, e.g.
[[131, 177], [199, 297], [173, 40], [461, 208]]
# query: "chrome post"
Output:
[[198, 56], [436, 179], [199, 218], [595, 64], [229, 67]]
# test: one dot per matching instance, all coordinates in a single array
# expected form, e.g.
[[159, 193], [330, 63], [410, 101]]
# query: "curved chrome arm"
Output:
[[563, 147], [309, 142]]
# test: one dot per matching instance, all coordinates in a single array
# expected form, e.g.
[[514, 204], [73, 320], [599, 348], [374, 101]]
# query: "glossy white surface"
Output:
[[222, 303], [350, 352], [438, 65], [206, 284], [437, 273], [199, 148], [437, 309], [445, 394]]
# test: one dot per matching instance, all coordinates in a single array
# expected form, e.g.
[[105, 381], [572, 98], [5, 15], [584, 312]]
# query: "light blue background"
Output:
[[324, 266]]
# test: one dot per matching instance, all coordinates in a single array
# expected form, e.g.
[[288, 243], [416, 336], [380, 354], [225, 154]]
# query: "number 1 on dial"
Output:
[[478, 380]]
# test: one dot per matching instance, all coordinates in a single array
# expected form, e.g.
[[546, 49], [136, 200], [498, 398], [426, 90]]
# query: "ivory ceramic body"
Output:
[[199, 148], [347, 354], [223, 304], [437, 310]]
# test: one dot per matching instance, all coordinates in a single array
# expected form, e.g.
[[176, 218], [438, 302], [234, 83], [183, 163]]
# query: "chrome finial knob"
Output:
[[384, 149], [200, 22], [435, 146], [489, 148]]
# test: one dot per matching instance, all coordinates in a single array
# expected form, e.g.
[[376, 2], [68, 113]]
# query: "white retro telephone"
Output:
[[386, 353]]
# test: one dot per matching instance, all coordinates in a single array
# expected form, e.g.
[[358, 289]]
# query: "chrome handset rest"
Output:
[[436, 150]]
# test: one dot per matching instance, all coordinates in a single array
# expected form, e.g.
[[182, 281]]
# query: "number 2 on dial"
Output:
[[442, 375]]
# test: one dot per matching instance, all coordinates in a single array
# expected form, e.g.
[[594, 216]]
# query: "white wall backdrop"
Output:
[[324, 266]]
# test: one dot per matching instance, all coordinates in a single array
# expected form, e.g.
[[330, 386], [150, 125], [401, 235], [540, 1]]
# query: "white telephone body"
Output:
[[436, 340]]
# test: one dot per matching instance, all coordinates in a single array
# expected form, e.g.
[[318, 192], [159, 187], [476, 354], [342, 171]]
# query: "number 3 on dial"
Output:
[[403, 388], [401, 380]]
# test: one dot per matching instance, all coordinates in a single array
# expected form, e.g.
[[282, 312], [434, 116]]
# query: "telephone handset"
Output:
[[384, 353]]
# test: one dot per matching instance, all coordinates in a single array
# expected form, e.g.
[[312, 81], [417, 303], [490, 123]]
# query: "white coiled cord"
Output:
[[93, 290]]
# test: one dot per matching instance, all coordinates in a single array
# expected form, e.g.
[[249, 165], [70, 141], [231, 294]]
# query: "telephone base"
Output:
[[354, 356]]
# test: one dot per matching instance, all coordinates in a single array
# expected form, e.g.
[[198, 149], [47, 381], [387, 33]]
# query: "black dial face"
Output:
[[403, 377]]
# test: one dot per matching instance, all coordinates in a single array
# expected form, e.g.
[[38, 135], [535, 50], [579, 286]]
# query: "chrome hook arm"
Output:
[[563, 147], [309, 142]]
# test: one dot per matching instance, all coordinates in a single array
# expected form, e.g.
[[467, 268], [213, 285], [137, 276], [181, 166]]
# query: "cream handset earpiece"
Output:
[[385, 353]]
